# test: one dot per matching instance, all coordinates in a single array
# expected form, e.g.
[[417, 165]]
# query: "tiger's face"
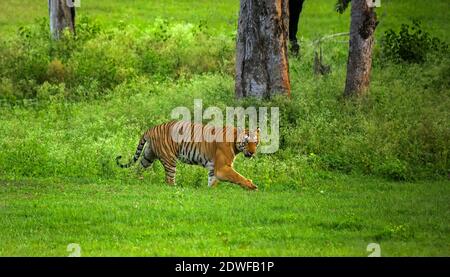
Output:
[[247, 142]]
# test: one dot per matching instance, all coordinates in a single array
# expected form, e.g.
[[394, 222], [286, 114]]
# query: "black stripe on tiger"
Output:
[[136, 155]]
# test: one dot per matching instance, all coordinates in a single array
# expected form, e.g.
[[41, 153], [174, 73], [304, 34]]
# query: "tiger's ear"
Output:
[[258, 130]]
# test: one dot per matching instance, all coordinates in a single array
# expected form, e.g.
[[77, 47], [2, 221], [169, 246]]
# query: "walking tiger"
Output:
[[165, 143]]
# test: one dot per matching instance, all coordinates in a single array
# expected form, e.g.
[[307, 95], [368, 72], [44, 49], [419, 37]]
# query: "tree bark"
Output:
[[262, 68], [359, 64], [62, 15]]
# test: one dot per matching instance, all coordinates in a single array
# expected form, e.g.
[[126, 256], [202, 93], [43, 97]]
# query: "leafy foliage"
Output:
[[411, 44], [342, 5], [108, 57]]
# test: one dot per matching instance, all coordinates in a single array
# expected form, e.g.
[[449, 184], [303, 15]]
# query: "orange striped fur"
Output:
[[168, 143]]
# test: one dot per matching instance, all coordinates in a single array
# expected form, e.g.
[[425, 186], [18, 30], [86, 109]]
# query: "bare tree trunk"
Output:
[[359, 65], [262, 68], [62, 15]]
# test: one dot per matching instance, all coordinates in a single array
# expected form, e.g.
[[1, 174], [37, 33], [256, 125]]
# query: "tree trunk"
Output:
[[62, 15], [359, 65], [262, 68]]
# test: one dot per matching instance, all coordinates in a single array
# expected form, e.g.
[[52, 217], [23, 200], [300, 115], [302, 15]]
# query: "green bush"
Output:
[[48, 91], [411, 44], [107, 57]]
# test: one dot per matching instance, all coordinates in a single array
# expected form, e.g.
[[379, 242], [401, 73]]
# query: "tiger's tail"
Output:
[[136, 155]]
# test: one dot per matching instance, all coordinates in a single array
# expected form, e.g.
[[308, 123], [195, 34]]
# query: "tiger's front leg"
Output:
[[212, 180], [170, 169], [227, 173]]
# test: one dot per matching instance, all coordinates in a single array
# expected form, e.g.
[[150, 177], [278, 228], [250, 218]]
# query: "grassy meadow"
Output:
[[348, 172]]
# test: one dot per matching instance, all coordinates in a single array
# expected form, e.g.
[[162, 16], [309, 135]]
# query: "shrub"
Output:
[[7, 90], [56, 71], [48, 91], [410, 44], [108, 57]]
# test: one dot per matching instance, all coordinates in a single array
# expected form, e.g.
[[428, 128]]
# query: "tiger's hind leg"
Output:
[[147, 160], [148, 157]]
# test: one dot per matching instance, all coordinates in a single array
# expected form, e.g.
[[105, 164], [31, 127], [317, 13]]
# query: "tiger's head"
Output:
[[247, 142]]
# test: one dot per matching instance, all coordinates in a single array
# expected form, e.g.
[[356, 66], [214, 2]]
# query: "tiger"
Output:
[[165, 143]]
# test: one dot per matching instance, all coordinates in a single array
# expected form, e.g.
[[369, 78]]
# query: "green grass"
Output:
[[347, 173], [138, 218], [318, 17], [219, 15]]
